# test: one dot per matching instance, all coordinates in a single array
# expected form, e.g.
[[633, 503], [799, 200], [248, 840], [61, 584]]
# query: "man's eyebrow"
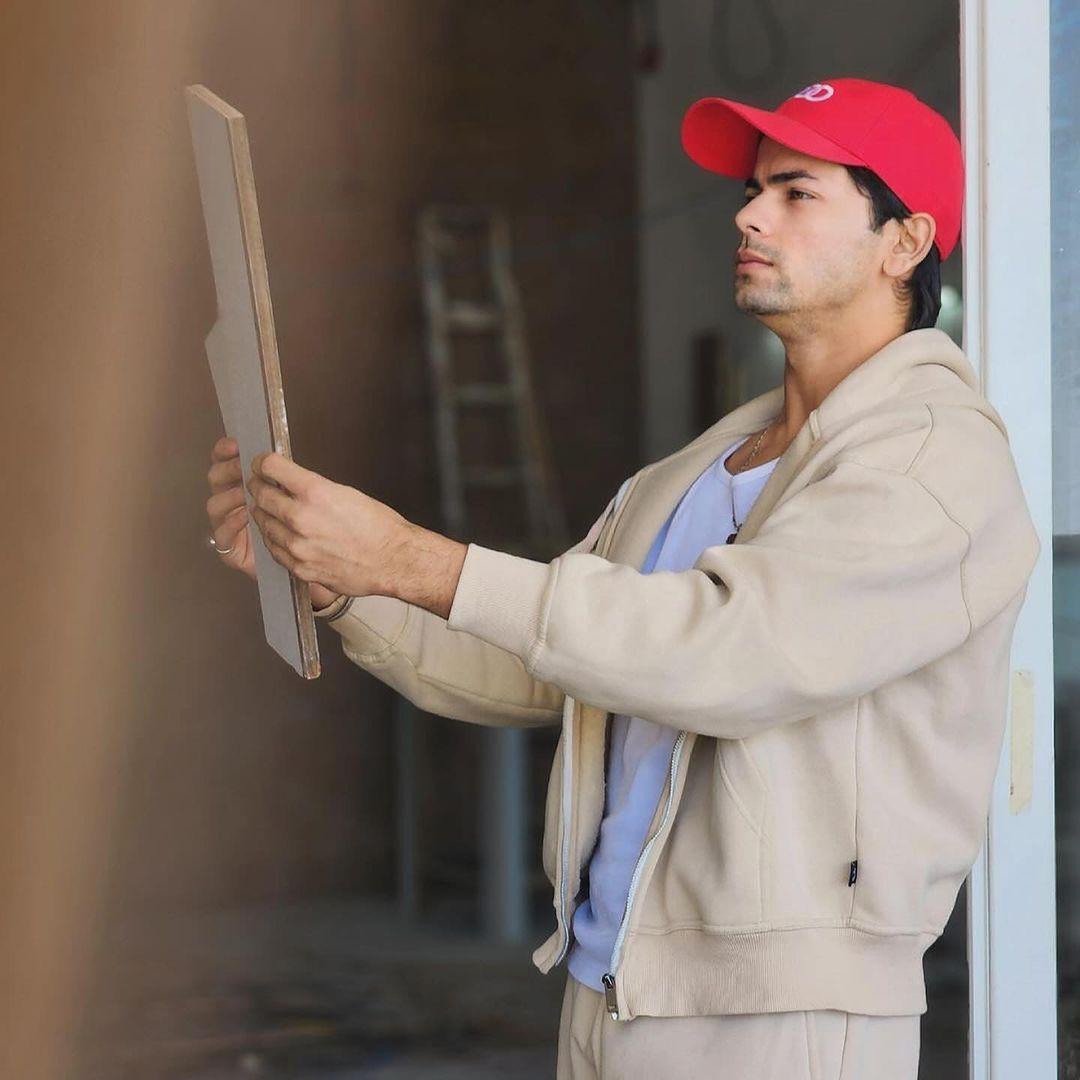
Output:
[[782, 178]]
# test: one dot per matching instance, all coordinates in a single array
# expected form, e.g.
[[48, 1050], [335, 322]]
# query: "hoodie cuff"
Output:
[[335, 609], [502, 599]]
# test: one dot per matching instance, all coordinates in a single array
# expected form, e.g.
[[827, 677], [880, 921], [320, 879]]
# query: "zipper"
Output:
[[610, 995], [568, 753]]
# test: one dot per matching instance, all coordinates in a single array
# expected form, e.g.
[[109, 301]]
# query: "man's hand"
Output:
[[227, 510], [329, 533]]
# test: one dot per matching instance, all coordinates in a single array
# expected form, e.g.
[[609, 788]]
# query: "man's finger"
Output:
[[285, 473], [231, 527], [273, 501], [224, 449], [225, 474], [221, 504], [280, 555], [273, 531]]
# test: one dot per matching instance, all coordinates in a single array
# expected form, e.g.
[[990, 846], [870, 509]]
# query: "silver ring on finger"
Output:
[[214, 546]]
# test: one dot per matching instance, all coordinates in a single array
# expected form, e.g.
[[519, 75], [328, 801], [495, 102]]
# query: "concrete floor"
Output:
[[346, 991], [320, 989]]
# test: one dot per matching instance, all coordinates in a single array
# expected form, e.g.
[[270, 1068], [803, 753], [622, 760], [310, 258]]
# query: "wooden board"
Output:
[[242, 348]]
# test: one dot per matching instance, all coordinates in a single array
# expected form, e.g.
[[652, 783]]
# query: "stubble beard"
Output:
[[775, 298]]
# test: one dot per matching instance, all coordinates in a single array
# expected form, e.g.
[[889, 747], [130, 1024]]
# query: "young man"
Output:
[[796, 630]]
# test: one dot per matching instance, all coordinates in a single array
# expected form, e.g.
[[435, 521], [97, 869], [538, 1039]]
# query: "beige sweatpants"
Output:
[[819, 1045]]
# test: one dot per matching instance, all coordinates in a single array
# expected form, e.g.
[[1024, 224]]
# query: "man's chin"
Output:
[[759, 306]]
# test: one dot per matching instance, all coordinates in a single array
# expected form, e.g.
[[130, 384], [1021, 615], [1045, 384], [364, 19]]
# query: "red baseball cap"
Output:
[[849, 122]]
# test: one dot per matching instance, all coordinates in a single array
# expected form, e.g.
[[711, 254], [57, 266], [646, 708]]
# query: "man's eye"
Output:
[[793, 193]]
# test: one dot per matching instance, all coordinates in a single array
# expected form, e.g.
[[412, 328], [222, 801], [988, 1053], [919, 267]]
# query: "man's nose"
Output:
[[751, 218]]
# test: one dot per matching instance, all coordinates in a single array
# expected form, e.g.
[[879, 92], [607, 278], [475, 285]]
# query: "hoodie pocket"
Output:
[[743, 783], [710, 872]]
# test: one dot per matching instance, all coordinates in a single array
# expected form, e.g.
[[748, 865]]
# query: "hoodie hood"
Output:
[[919, 367]]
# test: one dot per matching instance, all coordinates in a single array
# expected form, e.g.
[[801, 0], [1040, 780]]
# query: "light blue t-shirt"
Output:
[[639, 751]]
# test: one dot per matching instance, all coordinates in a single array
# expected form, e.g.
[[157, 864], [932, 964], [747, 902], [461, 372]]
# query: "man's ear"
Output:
[[912, 239]]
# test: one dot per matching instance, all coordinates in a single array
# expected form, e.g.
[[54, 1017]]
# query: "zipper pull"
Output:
[[609, 996]]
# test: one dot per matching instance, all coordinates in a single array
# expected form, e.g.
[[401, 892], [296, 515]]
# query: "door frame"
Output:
[[1012, 939]]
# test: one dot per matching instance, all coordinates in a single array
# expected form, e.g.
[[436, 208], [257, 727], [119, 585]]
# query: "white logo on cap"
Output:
[[817, 92]]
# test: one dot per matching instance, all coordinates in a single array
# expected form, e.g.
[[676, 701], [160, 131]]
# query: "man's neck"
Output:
[[817, 361]]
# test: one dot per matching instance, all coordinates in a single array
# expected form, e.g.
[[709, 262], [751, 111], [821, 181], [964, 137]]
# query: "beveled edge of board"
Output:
[[208, 97]]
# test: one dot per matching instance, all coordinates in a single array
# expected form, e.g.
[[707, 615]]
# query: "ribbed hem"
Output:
[[695, 973], [500, 598], [546, 955]]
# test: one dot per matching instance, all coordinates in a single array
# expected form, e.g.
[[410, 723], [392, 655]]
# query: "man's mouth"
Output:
[[744, 258]]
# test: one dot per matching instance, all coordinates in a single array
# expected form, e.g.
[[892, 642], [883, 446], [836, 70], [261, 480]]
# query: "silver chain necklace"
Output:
[[742, 468]]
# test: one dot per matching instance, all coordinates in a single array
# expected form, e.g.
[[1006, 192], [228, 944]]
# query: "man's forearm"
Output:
[[424, 572], [346, 543]]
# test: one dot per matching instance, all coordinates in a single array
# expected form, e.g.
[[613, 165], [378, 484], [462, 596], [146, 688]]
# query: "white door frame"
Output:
[[1012, 940]]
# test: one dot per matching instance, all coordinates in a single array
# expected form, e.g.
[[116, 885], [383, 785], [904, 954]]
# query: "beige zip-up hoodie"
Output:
[[839, 677]]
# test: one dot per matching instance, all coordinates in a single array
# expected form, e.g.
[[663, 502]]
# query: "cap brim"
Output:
[[722, 136]]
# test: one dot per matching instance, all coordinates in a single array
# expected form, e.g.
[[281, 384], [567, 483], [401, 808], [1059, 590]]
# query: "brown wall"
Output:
[[153, 752]]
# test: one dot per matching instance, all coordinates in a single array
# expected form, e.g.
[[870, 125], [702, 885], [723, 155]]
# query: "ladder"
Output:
[[470, 297], [471, 245]]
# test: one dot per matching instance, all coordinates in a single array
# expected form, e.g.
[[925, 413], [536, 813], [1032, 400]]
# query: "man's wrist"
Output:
[[322, 597], [430, 570]]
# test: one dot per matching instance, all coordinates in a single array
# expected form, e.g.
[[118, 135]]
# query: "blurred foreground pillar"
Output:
[[83, 175]]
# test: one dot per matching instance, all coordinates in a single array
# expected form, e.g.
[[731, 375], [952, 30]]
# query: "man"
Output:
[[795, 631]]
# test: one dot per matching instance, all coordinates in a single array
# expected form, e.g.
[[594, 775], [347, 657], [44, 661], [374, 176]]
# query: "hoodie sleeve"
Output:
[[443, 670], [854, 581]]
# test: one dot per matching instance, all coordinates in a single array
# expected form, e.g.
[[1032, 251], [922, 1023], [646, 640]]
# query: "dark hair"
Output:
[[922, 289]]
